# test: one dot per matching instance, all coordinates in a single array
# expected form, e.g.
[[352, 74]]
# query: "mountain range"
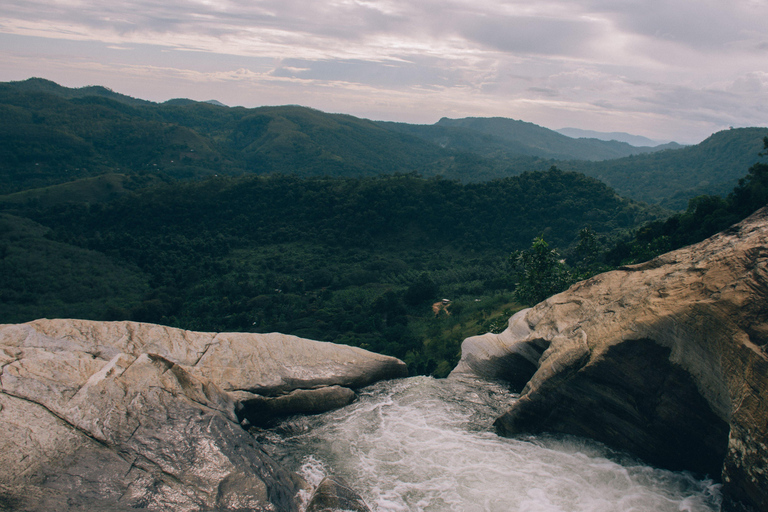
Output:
[[51, 134]]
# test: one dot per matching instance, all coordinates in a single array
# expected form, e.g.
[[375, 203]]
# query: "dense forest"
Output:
[[358, 261], [324, 226]]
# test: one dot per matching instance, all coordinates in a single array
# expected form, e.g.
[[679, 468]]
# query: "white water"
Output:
[[422, 444]]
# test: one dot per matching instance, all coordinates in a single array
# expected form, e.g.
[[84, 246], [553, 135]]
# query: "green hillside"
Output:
[[51, 135], [705, 216], [41, 277], [672, 177]]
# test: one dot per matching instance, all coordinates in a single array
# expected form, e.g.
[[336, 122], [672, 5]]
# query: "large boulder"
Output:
[[666, 359], [122, 415]]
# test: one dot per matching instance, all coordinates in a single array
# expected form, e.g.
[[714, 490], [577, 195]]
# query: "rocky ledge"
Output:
[[666, 359], [121, 415]]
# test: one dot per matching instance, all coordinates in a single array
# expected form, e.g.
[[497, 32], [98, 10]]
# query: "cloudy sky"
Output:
[[667, 69]]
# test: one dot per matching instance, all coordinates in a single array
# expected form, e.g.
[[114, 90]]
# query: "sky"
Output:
[[665, 69]]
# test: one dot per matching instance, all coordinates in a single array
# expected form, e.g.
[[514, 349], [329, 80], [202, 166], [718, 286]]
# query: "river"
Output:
[[424, 444]]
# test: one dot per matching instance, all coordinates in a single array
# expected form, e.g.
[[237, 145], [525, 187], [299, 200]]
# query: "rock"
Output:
[[262, 411], [666, 359], [121, 415], [502, 356], [334, 495]]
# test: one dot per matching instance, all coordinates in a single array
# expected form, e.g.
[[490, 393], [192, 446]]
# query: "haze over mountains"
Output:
[[502, 137], [634, 140]]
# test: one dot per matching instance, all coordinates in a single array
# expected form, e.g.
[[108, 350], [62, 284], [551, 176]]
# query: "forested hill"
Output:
[[47, 138], [292, 220], [673, 177]]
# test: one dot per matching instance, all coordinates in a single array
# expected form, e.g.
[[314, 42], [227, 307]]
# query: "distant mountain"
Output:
[[509, 138], [185, 101], [634, 140]]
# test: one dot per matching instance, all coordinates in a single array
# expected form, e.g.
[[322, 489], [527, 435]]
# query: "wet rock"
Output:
[[334, 495], [665, 359], [502, 356], [120, 415], [260, 411]]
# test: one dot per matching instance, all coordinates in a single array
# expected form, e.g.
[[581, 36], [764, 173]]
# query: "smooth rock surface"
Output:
[[334, 495], [122, 415], [503, 356], [666, 359]]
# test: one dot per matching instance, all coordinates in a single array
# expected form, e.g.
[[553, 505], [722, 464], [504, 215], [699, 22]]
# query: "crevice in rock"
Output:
[[205, 351]]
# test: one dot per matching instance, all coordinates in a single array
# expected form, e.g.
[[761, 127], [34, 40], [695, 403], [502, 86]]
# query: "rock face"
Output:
[[666, 359], [121, 415]]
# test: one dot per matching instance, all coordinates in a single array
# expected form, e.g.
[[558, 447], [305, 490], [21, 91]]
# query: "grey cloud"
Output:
[[716, 107], [544, 91], [531, 34], [390, 74], [704, 25]]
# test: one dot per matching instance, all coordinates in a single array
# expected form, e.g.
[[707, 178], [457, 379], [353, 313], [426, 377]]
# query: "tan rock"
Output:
[[666, 359]]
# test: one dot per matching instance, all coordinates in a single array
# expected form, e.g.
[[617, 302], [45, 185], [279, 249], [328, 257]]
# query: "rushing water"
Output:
[[421, 444]]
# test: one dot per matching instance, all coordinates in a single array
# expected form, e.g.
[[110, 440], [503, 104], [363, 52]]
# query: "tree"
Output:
[[588, 252], [421, 290], [752, 191], [541, 272]]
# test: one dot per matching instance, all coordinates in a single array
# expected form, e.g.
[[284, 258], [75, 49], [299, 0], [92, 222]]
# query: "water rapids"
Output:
[[422, 444]]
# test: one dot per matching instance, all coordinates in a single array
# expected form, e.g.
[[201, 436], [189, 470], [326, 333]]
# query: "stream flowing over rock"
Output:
[[666, 359], [122, 415]]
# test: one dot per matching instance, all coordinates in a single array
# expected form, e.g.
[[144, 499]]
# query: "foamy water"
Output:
[[422, 444]]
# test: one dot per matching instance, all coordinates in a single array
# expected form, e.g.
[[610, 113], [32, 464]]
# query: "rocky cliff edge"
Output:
[[121, 415], [666, 359]]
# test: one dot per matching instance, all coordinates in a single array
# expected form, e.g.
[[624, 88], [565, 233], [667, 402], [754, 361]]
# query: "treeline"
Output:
[[389, 211]]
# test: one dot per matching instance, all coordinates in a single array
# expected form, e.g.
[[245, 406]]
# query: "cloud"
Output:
[[682, 64], [532, 35], [701, 25]]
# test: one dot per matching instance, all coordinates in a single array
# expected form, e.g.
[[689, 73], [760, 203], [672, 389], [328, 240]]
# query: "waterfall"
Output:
[[423, 444]]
